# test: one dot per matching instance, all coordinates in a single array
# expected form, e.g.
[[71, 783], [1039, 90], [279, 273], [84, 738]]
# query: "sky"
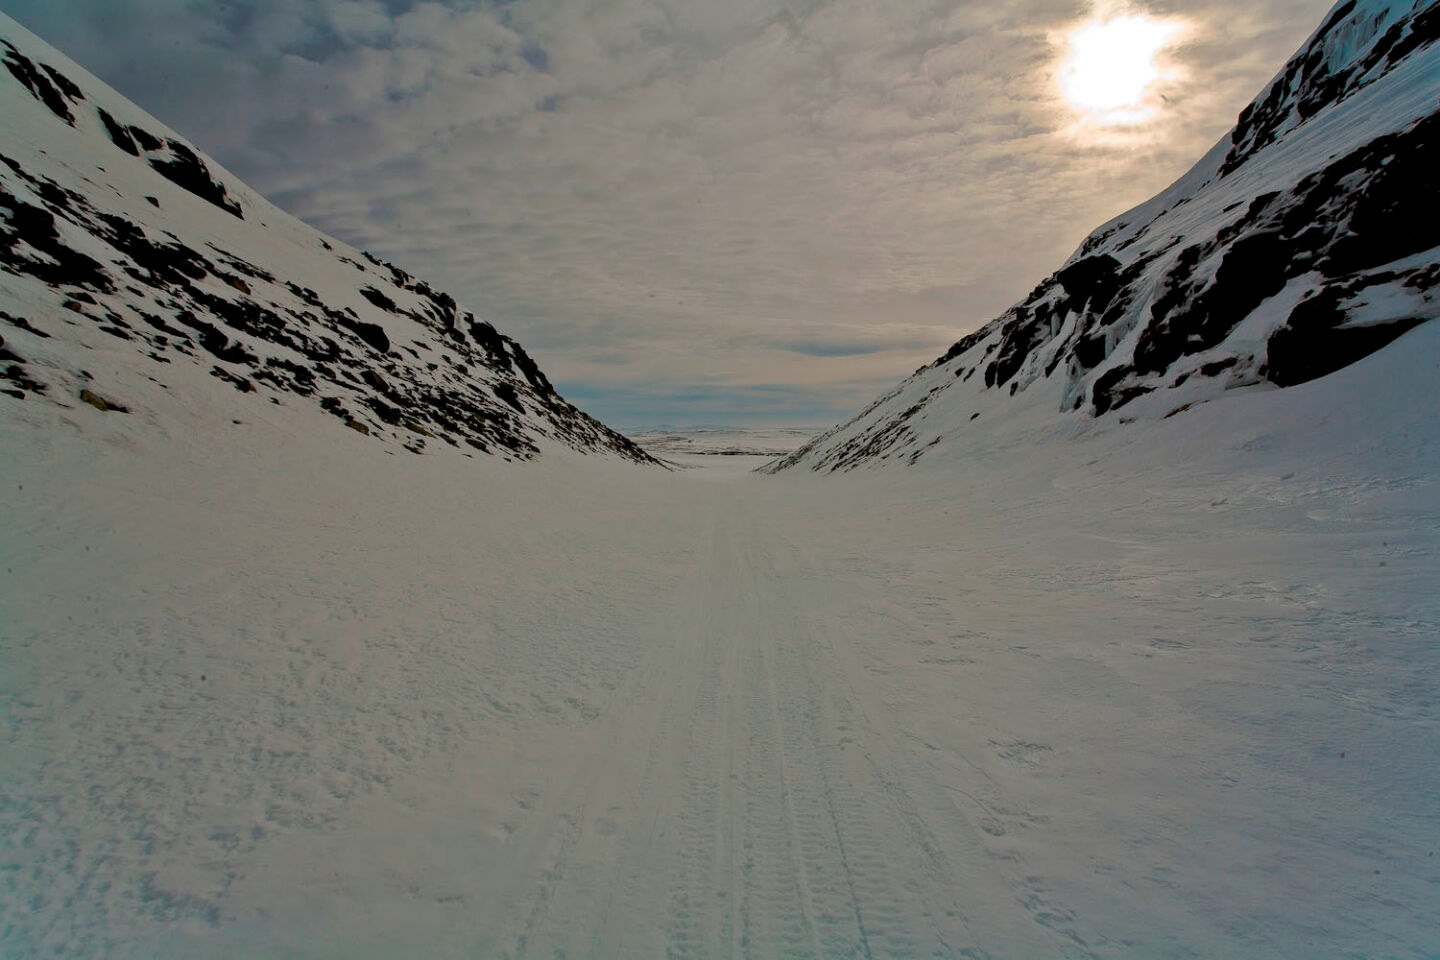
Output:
[[698, 211]]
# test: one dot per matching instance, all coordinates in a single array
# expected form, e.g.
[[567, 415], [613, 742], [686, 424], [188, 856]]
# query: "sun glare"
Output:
[[1112, 64]]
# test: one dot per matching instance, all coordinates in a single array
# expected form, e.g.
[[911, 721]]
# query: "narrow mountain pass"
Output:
[[1093, 705]]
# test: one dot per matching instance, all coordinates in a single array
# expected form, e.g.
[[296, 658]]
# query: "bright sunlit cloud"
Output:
[[1112, 65]]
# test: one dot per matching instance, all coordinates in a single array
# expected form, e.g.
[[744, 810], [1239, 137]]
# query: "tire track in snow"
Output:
[[858, 905], [694, 915], [796, 927], [595, 894], [752, 796], [740, 883], [703, 880], [952, 848], [789, 842], [901, 884]]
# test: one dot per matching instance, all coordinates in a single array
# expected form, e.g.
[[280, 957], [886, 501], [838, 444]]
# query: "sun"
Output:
[[1112, 65]]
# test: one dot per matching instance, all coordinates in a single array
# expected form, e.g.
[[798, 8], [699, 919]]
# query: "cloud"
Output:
[[813, 192], [824, 348]]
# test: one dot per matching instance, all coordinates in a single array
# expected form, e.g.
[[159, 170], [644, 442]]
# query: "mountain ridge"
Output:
[[113, 224]]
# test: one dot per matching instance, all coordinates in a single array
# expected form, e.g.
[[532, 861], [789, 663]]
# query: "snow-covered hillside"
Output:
[[1306, 239], [1166, 692], [141, 278]]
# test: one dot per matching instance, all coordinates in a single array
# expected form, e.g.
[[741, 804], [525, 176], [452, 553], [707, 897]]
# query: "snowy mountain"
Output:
[[1306, 239], [143, 279], [276, 688]]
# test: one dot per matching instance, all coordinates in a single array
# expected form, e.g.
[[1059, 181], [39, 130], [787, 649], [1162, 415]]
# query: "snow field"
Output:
[[1166, 689]]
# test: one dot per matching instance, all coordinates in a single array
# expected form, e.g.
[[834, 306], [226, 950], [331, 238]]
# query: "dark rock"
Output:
[[40, 87], [1215, 368], [491, 342], [241, 265], [1315, 340], [216, 342], [53, 195], [23, 324], [372, 333], [1253, 269], [147, 141], [120, 136], [531, 371], [66, 86], [1089, 351], [238, 382], [506, 392], [14, 372], [375, 380], [190, 172], [1025, 331], [100, 403], [386, 412], [35, 226], [379, 299], [1296, 356], [169, 263], [1111, 390], [963, 345], [1396, 211], [1092, 281]]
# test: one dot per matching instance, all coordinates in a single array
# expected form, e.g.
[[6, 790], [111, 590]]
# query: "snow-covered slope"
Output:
[[143, 279], [1306, 239]]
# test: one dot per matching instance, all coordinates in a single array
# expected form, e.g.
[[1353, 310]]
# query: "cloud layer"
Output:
[[687, 210]]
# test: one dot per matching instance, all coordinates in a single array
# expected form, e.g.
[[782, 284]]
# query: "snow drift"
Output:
[[1309, 237], [132, 260]]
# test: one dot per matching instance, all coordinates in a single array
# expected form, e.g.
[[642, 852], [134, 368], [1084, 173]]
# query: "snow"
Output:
[[1135, 686], [720, 452], [1163, 690]]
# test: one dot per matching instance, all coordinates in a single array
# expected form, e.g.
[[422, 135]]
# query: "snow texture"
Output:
[[1168, 691], [1306, 239]]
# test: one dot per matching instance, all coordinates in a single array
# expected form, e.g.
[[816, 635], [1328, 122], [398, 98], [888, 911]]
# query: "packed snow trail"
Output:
[[1164, 691], [757, 808]]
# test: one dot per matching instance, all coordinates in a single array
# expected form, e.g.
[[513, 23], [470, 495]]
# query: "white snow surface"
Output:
[[1166, 690], [720, 451]]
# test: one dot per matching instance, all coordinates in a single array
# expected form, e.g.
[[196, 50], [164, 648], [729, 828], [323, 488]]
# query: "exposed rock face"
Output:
[[111, 224], [1305, 240]]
